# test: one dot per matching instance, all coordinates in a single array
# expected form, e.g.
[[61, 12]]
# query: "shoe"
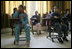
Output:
[[28, 43], [60, 40], [16, 42]]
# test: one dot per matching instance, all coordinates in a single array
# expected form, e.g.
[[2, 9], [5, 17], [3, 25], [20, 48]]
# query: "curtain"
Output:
[[9, 5], [32, 6], [41, 6]]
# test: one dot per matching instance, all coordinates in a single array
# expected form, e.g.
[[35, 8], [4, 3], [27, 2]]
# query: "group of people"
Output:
[[54, 19], [61, 24]]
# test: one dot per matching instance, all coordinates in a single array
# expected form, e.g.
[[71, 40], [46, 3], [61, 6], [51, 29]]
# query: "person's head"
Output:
[[22, 8], [15, 9], [55, 9], [49, 11], [67, 11], [36, 12]]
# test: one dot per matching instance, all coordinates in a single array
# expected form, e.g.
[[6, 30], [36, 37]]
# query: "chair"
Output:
[[34, 27], [53, 33], [12, 22]]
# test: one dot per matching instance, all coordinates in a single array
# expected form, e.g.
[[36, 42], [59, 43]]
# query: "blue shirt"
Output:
[[23, 20]]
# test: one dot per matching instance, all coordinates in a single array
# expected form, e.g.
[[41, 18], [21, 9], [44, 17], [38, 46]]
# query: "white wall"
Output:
[[31, 8]]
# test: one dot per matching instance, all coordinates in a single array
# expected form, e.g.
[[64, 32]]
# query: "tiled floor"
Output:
[[37, 41]]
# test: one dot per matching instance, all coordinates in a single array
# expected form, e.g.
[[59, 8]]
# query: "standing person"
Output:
[[23, 17], [64, 31]]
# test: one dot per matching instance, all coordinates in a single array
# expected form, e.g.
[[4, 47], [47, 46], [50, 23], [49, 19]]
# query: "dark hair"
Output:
[[49, 11], [21, 6], [36, 11], [67, 10], [14, 9], [24, 7]]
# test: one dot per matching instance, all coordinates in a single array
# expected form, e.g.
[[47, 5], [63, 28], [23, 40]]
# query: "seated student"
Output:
[[59, 27], [36, 22], [56, 23], [14, 10], [67, 18]]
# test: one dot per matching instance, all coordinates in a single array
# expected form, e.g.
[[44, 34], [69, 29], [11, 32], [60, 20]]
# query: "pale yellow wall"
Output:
[[68, 5]]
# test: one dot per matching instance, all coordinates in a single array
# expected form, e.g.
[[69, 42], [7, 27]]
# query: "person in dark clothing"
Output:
[[36, 22], [67, 18], [64, 31], [60, 26], [56, 23]]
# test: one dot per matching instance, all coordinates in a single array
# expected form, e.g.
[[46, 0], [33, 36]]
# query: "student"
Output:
[[56, 23], [36, 22], [67, 18], [14, 10], [64, 31], [59, 27], [23, 17]]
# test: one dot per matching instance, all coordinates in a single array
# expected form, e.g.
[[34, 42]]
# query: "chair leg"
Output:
[[32, 30], [52, 40]]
